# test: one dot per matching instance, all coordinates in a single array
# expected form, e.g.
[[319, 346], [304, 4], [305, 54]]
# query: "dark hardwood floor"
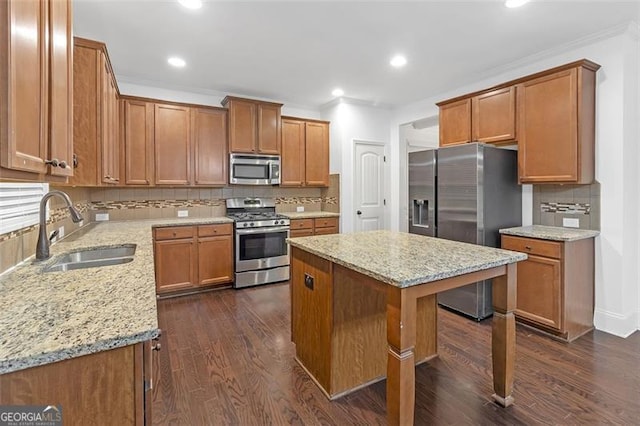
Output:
[[227, 359]]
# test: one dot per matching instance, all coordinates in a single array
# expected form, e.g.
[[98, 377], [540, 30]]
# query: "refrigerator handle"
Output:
[[420, 213]]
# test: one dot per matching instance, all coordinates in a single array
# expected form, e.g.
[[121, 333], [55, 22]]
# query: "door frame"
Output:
[[355, 142]]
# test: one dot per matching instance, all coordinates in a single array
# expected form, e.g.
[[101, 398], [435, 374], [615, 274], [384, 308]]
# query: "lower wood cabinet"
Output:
[[193, 257], [555, 285], [317, 226], [113, 386]]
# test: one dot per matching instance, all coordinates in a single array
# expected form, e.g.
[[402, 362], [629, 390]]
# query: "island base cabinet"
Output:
[[555, 285], [108, 387], [338, 325]]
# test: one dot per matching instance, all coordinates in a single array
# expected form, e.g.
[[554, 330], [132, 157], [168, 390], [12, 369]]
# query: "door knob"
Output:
[[358, 212]]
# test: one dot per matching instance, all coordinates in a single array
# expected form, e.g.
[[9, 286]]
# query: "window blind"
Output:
[[19, 205]]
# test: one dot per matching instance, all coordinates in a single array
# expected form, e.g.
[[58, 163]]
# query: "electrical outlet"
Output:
[[183, 213], [308, 281], [60, 233], [102, 217], [570, 222], [300, 209], [81, 224]]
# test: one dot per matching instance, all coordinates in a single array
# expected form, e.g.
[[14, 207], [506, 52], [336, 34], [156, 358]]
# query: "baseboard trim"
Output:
[[616, 324]]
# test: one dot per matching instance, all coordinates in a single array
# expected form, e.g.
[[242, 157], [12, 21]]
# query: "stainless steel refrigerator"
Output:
[[476, 194], [422, 192]]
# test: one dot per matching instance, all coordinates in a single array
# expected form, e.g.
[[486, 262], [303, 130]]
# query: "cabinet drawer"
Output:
[[326, 231], [301, 224], [544, 248], [300, 233], [214, 230], [174, 233], [326, 222]]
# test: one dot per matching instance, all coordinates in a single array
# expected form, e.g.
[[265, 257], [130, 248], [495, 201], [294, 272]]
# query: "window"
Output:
[[19, 204]]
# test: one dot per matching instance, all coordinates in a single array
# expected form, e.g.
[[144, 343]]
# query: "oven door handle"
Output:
[[270, 230]]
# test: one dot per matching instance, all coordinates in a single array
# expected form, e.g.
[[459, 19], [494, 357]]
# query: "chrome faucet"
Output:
[[42, 248]]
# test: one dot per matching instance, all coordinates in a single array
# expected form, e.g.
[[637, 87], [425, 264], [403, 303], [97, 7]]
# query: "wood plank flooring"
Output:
[[227, 359]]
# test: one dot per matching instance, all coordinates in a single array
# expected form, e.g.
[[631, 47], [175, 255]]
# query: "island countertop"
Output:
[[553, 233], [403, 259], [51, 316]]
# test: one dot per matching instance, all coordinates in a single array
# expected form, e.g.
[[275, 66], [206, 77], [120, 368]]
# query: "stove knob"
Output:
[[245, 224], [282, 222], [252, 224]]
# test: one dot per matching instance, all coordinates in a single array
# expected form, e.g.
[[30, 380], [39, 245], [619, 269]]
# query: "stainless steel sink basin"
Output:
[[62, 267], [93, 257]]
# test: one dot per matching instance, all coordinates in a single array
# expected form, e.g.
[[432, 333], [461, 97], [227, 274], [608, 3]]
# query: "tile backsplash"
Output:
[[553, 203]]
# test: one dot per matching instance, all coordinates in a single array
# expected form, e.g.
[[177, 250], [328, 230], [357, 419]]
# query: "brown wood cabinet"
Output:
[[555, 285], [95, 116], [115, 384], [314, 226], [305, 152], [193, 257], [209, 137], [36, 90], [172, 145], [455, 122], [138, 134], [556, 119], [254, 126], [494, 116]]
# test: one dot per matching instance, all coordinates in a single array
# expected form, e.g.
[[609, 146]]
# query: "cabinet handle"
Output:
[[156, 347], [53, 162], [62, 164], [75, 161], [527, 247]]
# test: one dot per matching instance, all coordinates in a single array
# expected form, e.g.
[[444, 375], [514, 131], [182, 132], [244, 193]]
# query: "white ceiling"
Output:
[[298, 51]]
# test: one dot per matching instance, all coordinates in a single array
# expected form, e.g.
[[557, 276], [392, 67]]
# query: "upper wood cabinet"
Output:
[[138, 134], [488, 117], [95, 116], [494, 116], [254, 126], [455, 122], [35, 90], [172, 145], [556, 115], [305, 152], [209, 140]]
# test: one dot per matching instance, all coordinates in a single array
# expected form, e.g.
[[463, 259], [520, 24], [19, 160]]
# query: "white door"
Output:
[[369, 184]]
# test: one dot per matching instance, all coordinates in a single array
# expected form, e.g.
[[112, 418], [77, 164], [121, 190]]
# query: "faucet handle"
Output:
[[54, 234]]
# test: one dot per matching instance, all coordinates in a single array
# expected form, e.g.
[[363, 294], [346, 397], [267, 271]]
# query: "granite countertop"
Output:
[[554, 233], [402, 259], [309, 215], [49, 317]]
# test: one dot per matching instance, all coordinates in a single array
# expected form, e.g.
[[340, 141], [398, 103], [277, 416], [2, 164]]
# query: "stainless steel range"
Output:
[[262, 252]]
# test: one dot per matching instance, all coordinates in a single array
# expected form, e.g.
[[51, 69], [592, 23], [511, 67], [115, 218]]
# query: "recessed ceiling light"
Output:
[[191, 4], [337, 92], [176, 62], [515, 3], [398, 61]]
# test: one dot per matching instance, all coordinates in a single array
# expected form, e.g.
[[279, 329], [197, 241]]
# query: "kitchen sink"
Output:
[[93, 258]]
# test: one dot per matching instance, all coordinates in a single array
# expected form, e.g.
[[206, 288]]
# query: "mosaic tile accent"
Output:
[[567, 208], [55, 215], [158, 204], [298, 200]]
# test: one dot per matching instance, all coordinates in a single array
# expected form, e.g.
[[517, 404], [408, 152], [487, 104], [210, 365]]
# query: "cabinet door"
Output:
[[215, 260], [269, 129], [548, 139], [209, 135], [138, 142], [172, 145], [539, 297], [242, 126], [292, 164], [86, 122], [494, 116], [317, 154], [61, 80], [24, 146], [175, 262], [455, 122]]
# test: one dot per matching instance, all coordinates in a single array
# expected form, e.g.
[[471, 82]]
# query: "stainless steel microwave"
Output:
[[251, 169]]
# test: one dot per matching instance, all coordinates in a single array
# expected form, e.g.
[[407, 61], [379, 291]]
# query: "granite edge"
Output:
[[309, 215], [192, 222]]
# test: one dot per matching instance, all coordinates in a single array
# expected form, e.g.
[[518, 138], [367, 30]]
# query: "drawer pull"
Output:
[[527, 247], [156, 347]]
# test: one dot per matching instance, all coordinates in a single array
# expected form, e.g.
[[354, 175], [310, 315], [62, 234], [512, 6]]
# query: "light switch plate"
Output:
[[300, 209], [183, 213], [102, 217], [569, 222]]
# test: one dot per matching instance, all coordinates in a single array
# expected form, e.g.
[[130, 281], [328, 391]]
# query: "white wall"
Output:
[[351, 122], [617, 285], [204, 98]]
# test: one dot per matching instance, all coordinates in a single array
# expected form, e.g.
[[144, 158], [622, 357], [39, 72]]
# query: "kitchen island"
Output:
[[363, 308]]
